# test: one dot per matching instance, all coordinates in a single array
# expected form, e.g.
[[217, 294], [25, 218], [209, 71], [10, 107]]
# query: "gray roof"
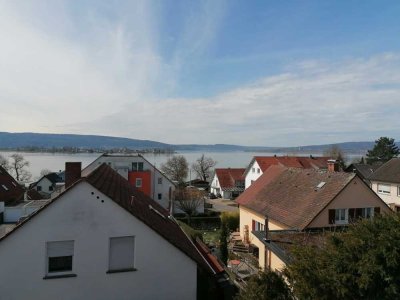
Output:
[[363, 170], [388, 172]]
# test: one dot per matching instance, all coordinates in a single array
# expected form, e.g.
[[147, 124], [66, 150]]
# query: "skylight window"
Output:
[[4, 187], [321, 184]]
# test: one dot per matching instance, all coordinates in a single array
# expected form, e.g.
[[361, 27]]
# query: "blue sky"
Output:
[[273, 73]]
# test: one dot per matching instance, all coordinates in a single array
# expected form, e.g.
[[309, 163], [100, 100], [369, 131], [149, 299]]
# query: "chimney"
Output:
[[266, 228], [72, 173], [333, 165]]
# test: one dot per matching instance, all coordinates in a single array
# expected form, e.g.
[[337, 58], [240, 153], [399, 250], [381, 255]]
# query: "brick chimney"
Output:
[[72, 173], [333, 165]]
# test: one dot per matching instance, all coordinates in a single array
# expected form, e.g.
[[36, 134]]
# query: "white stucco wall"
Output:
[[215, 187], [393, 197], [252, 176], [163, 271], [45, 185], [122, 164]]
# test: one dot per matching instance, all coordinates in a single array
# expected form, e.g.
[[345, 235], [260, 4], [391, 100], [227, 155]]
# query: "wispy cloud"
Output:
[[105, 74]]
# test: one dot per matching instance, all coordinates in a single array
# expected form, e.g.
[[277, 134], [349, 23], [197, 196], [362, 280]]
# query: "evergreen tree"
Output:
[[361, 263], [267, 285], [223, 244], [384, 149]]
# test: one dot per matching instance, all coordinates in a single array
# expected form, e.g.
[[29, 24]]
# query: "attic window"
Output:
[[4, 187], [321, 184]]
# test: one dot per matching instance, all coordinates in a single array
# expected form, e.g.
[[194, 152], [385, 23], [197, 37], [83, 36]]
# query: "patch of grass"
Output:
[[211, 236]]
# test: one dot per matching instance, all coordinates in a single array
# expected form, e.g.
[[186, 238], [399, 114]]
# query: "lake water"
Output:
[[56, 161]]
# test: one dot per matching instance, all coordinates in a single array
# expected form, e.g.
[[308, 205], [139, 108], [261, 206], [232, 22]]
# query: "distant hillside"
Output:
[[45, 140]]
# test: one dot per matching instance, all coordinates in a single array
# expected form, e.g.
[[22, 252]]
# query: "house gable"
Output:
[[89, 218], [356, 194]]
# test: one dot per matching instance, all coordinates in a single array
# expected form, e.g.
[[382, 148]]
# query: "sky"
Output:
[[261, 73]]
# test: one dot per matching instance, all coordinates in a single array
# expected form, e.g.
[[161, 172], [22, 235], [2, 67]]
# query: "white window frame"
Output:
[[132, 263], [137, 181], [383, 191], [341, 216], [59, 273]]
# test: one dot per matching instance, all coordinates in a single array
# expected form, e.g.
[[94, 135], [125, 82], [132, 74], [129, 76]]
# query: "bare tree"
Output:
[[18, 166], [45, 172], [189, 200], [4, 163], [336, 153], [176, 168], [203, 167]]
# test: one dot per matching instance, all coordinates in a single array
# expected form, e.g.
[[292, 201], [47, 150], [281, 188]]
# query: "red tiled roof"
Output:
[[211, 259], [304, 162], [227, 177], [290, 195], [10, 190]]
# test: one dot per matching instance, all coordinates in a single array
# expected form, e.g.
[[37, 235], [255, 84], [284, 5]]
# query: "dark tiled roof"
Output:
[[227, 177], [215, 264], [53, 177], [12, 191], [363, 170], [283, 242], [290, 195], [388, 172]]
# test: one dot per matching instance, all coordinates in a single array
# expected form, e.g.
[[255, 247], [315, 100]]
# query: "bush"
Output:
[[231, 220]]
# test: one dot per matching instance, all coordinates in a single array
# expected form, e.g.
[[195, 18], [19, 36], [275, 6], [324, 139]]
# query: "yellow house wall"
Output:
[[355, 195], [246, 218], [394, 197], [276, 263]]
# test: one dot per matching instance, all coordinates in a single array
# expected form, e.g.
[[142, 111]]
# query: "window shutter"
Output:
[[122, 253], [62, 248], [331, 216], [253, 225], [377, 210]]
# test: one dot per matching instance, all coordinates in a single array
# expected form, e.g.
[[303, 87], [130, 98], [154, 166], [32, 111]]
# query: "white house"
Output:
[[228, 182], [259, 164], [385, 181], [48, 185], [140, 173], [100, 239]]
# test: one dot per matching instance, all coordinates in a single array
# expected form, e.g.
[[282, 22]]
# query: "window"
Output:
[[50, 188], [258, 170], [367, 212], [257, 226], [4, 187], [253, 170], [341, 216], [38, 188], [121, 255], [138, 182], [159, 180], [159, 196], [59, 257], [137, 166], [384, 189]]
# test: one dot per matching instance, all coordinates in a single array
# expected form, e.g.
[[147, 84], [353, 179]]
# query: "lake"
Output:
[[56, 161]]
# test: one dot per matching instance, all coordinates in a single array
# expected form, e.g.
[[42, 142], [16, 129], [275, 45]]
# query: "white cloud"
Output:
[[108, 81]]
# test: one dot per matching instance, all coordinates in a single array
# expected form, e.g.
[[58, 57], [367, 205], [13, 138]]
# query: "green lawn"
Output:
[[211, 236]]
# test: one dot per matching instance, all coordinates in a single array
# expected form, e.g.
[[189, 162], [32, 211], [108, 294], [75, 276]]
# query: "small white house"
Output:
[[227, 183], [100, 239], [140, 173], [48, 185]]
